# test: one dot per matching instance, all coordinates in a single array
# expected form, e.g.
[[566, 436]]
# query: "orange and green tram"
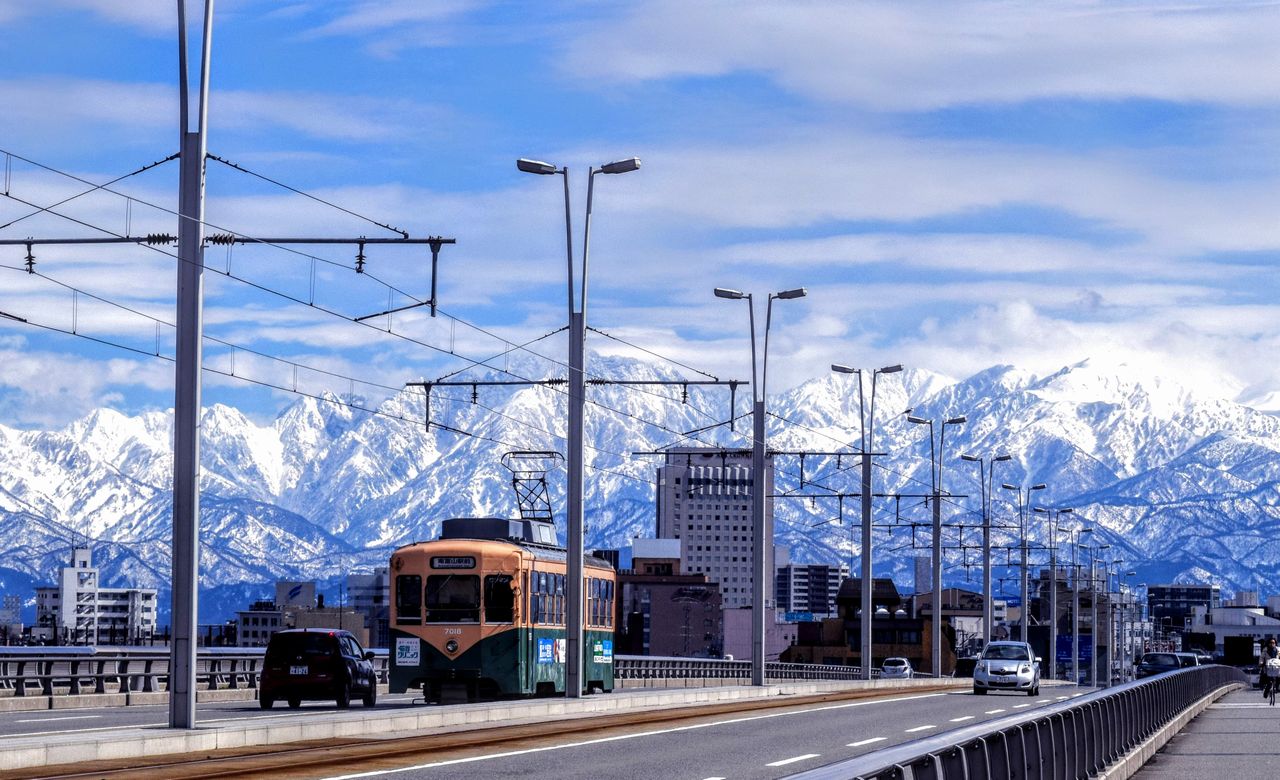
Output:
[[480, 612]]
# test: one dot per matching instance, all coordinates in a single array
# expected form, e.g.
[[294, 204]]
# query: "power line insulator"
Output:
[[159, 238], [220, 239], [31, 260]]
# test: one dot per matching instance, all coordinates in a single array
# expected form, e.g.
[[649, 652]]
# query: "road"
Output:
[[773, 744]]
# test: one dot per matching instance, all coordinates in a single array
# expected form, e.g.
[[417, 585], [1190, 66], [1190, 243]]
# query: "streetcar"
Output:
[[480, 613]]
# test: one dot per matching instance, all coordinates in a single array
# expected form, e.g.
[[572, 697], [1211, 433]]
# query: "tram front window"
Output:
[[453, 598], [409, 599], [499, 599]]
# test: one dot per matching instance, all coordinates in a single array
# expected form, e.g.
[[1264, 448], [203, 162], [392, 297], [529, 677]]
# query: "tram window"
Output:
[[453, 598], [409, 599], [499, 599]]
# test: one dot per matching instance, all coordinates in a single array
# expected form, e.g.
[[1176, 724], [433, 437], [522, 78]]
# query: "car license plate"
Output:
[[297, 670]]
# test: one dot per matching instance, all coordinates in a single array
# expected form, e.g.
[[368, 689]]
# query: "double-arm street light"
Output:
[[1126, 623], [759, 488], [1055, 514], [985, 477], [867, 435], [935, 473], [1075, 534], [1024, 495], [577, 375]]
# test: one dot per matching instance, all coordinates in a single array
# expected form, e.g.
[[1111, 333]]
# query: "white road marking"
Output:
[[786, 761], [862, 742], [921, 728], [1063, 698], [1043, 701], [620, 737], [715, 778], [65, 717], [961, 719], [1020, 706], [992, 712]]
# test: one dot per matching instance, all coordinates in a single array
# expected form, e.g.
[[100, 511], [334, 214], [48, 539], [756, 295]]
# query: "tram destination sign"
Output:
[[453, 562]]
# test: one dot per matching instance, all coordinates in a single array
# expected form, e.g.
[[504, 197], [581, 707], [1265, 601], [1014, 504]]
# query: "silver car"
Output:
[[1007, 666], [896, 669]]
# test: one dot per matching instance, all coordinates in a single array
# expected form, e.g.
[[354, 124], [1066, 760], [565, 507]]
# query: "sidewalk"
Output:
[[1237, 736]]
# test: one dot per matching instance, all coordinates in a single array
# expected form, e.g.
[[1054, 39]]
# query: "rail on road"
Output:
[[1076, 739]]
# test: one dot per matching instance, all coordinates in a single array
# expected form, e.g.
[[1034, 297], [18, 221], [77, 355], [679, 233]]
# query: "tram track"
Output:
[[314, 758]]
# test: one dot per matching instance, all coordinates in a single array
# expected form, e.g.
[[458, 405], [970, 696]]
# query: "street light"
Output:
[[1054, 516], [867, 435], [759, 490], [1126, 624], [577, 373], [985, 478], [1023, 497], [935, 473]]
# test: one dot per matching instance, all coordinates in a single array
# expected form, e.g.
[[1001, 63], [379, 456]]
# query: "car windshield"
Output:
[[1006, 653], [1160, 659], [895, 662], [301, 644]]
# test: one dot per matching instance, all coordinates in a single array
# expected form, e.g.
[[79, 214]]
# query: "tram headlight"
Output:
[[451, 646]]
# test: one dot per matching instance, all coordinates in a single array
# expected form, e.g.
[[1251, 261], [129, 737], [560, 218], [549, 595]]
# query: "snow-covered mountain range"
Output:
[[1181, 486]]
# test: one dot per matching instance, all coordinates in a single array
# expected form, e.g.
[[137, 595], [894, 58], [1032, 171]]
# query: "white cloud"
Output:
[[920, 56]]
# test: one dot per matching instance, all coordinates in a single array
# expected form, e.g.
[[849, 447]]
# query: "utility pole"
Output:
[[186, 405]]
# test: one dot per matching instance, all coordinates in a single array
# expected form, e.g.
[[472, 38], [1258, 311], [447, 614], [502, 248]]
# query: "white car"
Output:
[[1007, 666], [896, 669]]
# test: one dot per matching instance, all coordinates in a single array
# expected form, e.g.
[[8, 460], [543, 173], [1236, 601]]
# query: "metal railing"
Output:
[[55, 671], [1076, 739], [644, 667], [75, 671]]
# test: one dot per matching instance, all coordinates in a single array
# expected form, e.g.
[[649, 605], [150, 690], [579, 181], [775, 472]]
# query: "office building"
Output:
[[705, 501], [1170, 606], [809, 588], [370, 595], [79, 611]]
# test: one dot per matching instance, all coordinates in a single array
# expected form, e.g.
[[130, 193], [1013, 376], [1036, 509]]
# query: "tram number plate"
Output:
[[297, 670]]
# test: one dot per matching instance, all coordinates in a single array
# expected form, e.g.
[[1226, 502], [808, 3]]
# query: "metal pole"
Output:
[[1053, 595], [1026, 602], [935, 630], [988, 609], [868, 579], [758, 540], [1075, 610], [573, 682], [1093, 618], [186, 406]]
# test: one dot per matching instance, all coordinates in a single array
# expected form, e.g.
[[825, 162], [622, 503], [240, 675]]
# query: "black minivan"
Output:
[[316, 663]]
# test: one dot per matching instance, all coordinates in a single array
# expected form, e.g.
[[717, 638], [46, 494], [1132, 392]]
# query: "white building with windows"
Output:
[[79, 611], [705, 500]]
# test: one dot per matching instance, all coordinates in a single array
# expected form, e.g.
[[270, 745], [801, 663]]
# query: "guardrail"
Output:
[[91, 670], [57, 671], [1075, 739], [643, 667]]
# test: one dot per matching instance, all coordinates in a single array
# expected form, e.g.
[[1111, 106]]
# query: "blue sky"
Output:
[[957, 185]]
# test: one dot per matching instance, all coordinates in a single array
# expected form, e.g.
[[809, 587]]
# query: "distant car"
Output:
[[1157, 663], [1007, 666], [1188, 659], [896, 669], [316, 663], [1203, 656]]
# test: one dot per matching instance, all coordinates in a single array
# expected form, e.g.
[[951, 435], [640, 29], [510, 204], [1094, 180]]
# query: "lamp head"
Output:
[[787, 295], [1001, 458], [621, 166], [891, 369], [970, 458], [724, 292], [839, 369], [1040, 509], [1041, 486], [1007, 486], [1066, 510], [961, 420], [918, 420], [536, 166]]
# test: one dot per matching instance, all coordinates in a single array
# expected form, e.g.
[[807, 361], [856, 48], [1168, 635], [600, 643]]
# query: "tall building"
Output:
[[705, 501], [923, 574], [79, 611], [371, 594], [809, 588], [1169, 606]]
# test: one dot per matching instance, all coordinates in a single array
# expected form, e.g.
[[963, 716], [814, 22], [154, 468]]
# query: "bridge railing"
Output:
[[53, 671], [1075, 739]]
